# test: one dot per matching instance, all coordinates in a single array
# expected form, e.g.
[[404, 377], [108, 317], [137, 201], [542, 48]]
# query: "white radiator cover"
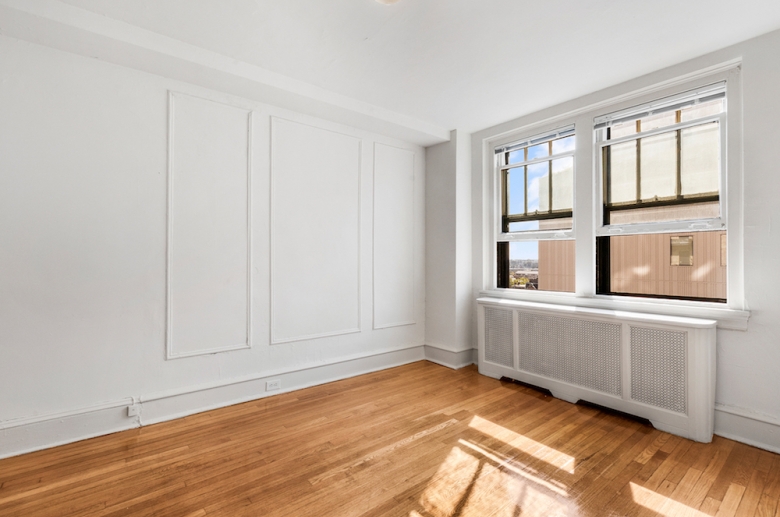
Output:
[[657, 367]]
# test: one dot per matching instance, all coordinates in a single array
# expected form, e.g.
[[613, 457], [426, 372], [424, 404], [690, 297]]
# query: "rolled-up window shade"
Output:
[[541, 137], [673, 103]]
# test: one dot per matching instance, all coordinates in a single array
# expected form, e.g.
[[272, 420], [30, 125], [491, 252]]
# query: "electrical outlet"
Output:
[[273, 385], [134, 410]]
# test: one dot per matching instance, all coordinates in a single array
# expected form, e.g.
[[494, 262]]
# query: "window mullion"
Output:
[[549, 178], [606, 177], [638, 163], [678, 186], [678, 134], [504, 199], [525, 187]]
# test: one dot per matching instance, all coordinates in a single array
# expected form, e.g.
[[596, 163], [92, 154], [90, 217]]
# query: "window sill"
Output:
[[728, 319]]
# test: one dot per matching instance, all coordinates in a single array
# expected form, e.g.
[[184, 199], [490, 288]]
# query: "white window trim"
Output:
[[587, 210]]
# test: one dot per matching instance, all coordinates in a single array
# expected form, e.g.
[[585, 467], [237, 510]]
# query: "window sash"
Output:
[[502, 171], [603, 228]]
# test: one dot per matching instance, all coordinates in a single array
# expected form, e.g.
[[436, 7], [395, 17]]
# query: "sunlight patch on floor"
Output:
[[475, 482], [662, 504], [552, 485], [531, 447], [450, 483], [499, 494]]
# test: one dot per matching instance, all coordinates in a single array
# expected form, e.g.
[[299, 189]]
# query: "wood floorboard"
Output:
[[414, 441]]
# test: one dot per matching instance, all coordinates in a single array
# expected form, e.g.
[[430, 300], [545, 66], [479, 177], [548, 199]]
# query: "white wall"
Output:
[[747, 401], [448, 296], [84, 166], [440, 244]]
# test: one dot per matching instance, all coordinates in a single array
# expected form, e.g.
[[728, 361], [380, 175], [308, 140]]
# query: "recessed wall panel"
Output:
[[208, 227], [393, 236], [315, 240]]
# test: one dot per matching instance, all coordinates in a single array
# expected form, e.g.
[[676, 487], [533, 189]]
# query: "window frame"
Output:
[[587, 205], [604, 231], [501, 197]]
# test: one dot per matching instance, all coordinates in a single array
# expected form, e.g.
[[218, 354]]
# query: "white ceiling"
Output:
[[465, 64]]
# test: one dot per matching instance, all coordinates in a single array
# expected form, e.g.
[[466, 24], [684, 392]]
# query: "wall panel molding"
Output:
[[393, 236], [201, 148], [315, 193]]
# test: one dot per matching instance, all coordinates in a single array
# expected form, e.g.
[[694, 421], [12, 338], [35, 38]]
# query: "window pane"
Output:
[[704, 109], [641, 265], [538, 151], [666, 118], [538, 187], [515, 184], [700, 159], [563, 145], [542, 265], [564, 223], [524, 226], [563, 183], [622, 172], [556, 265], [516, 156], [658, 167], [622, 129], [524, 265]]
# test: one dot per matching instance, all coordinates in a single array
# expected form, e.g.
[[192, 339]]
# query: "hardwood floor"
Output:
[[415, 441]]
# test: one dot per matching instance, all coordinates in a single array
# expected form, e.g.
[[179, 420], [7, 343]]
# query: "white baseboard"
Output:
[[33, 434], [171, 405], [449, 358], [41, 432], [743, 425]]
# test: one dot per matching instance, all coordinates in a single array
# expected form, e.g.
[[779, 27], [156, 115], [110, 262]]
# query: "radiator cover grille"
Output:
[[658, 368], [581, 352], [499, 337]]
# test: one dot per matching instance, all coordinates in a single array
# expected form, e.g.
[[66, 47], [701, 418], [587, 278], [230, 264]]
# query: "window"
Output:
[[536, 178], [640, 196], [661, 169]]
